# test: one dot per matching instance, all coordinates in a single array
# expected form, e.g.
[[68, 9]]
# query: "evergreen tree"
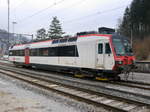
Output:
[[137, 19], [125, 25], [41, 34], [138, 16], [55, 30]]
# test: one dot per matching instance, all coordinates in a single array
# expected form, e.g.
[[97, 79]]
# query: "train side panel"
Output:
[[87, 54], [108, 55], [67, 61], [44, 60], [18, 59], [87, 48]]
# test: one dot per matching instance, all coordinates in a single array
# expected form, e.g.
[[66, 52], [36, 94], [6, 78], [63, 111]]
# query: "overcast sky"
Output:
[[74, 15]]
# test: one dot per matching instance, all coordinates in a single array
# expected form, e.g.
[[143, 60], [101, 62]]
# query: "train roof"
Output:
[[48, 43]]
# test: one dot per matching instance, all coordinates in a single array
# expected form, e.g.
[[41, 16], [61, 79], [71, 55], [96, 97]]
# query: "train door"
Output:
[[27, 60], [108, 56], [100, 55]]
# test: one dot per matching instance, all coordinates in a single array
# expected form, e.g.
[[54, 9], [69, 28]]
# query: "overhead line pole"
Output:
[[8, 21], [13, 23]]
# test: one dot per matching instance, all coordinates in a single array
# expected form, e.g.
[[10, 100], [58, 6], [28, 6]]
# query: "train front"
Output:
[[124, 58]]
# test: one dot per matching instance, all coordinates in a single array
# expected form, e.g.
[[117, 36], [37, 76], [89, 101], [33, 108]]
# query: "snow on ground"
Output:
[[16, 96]]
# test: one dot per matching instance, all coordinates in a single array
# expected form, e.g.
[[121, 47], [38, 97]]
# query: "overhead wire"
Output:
[[64, 9], [93, 14], [18, 5], [96, 13], [72, 20], [72, 5], [40, 11], [15, 9], [61, 10]]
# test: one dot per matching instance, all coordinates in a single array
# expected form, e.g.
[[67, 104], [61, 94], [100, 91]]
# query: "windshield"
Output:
[[122, 46], [119, 48], [127, 46]]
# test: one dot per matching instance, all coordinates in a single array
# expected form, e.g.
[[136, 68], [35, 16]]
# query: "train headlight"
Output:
[[119, 62]]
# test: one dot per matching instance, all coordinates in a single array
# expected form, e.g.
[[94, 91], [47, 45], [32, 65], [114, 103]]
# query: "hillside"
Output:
[[13, 39]]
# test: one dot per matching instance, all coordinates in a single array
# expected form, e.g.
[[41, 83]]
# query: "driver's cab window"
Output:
[[100, 48], [107, 48]]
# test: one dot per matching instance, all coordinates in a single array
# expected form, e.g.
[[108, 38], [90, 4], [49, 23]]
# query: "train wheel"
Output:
[[79, 75], [101, 78]]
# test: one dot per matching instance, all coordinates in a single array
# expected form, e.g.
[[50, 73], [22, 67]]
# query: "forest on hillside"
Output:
[[136, 25]]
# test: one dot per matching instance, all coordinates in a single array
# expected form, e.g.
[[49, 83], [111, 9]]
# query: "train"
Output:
[[103, 56]]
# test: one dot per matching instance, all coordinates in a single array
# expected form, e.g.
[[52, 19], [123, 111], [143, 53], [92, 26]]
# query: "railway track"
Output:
[[95, 98], [133, 84], [94, 85]]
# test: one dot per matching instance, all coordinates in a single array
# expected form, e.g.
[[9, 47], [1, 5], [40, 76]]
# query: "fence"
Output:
[[143, 67]]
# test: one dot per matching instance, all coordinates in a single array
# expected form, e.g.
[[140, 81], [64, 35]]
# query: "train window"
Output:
[[72, 39], [67, 51], [107, 48], [63, 40], [76, 51], [10, 53], [17, 53], [31, 52], [55, 41], [100, 48], [43, 52], [53, 51], [56, 51], [14, 53], [21, 53], [34, 52]]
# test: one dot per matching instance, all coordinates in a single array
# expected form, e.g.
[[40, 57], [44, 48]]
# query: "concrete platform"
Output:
[[142, 77]]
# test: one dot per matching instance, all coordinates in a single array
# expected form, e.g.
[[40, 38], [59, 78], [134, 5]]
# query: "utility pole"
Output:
[[13, 23], [32, 37], [8, 22], [14, 26]]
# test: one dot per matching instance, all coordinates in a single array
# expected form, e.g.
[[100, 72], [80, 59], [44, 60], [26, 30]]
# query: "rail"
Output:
[[95, 98]]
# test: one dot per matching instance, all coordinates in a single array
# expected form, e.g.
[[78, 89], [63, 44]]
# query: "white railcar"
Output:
[[93, 54]]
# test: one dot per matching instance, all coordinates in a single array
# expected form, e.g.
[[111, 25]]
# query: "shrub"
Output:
[[142, 49]]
